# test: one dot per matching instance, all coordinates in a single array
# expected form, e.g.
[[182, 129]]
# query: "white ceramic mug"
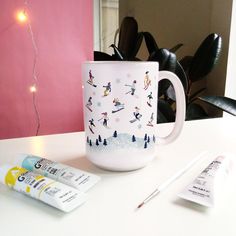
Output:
[[120, 112]]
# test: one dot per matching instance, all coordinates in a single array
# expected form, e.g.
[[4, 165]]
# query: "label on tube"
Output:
[[211, 183], [53, 193], [71, 176]]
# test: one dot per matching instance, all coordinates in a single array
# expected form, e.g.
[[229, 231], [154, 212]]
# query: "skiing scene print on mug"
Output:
[[120, 113]]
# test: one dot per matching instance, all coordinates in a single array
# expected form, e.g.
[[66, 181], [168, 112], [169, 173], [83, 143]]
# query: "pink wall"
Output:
[[64, 37]]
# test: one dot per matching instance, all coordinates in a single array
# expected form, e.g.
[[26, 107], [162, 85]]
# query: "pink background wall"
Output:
[[63, 33]]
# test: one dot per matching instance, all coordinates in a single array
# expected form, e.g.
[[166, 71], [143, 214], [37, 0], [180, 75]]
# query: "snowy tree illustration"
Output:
[[145, 145], [105, 142], [99, 138], [90, 143], [115, 134], [97, 143], [148, 139], [145, 137], [87, 139], [133, 139]]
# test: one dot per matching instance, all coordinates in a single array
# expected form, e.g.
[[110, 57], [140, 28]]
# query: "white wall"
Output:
[[105, 22], [109, 23], [230, 89], [220, 23], [96, 26]]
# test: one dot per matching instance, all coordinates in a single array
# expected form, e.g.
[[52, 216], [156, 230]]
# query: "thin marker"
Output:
[[172, 179]]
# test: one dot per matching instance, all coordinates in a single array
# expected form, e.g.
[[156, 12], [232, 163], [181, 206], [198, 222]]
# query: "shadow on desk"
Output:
[[191, 205], [83, 163], [35, 207]]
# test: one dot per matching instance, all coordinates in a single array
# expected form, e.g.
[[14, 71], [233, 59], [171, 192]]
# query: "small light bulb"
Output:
[[33, 89], [21, 16]]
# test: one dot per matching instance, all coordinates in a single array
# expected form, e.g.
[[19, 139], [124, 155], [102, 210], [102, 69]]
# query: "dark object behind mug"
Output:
[[189, 69]]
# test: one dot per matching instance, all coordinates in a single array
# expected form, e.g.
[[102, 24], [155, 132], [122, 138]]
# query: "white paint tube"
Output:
[[65, 174], [58, 195], [208, 187]]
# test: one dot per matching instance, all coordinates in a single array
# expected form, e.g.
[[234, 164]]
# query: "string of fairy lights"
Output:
[[23, 18]]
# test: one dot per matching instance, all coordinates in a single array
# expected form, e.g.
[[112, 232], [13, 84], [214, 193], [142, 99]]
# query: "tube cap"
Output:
[[3, 171]]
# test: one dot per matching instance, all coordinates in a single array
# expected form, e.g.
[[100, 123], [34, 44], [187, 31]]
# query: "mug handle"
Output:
[[180, 106]]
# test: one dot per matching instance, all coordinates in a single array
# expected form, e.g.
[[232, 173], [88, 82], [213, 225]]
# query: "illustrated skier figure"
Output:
[[89, 103], [151, 120], [150, 97], [118, 105], [136, 114], [132, 87], [91, 77], [104, 118], [147, 80], [90, 80], [91, 125], [107, 89]]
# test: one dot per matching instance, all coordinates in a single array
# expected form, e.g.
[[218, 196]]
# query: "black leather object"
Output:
[[206, 56], [224, 103], [129, 38]]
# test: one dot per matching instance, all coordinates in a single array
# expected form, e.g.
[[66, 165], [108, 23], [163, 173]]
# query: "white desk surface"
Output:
[[110, 209]]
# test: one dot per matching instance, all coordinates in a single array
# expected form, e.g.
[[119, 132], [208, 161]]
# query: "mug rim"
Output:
[[121, 62]]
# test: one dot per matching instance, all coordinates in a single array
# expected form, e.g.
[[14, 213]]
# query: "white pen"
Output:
[[172, 179]]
